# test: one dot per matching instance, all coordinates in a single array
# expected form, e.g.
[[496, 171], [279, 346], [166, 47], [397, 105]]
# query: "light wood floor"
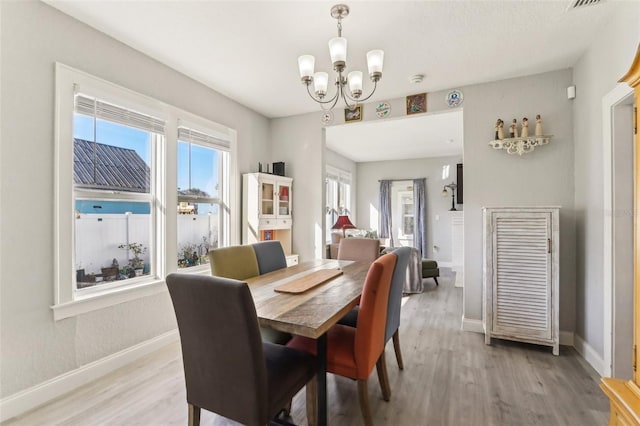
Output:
[[451, 378]]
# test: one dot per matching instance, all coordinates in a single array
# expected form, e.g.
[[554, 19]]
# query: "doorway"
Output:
[[618, 250]]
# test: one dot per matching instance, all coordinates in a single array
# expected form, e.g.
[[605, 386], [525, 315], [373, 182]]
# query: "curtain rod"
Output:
[[396, 180]]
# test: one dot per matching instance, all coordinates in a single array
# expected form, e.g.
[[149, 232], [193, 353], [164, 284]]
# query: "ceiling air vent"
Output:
[[579, 4]]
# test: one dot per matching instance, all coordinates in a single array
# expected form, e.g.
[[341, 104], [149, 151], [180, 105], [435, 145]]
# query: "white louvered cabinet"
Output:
[[521, 274]]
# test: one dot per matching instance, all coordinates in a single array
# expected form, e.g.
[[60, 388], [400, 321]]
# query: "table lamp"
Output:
[[343, 223], [452, 186]]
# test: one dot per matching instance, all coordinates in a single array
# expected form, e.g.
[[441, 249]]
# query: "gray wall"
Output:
[[299, 142], [543, 177], [33, 36], [595, 75], [438, 230]]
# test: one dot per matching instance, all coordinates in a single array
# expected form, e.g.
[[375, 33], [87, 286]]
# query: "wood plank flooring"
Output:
[[451, 378]]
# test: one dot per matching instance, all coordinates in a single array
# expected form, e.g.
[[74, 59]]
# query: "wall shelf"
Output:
[[520, 145]]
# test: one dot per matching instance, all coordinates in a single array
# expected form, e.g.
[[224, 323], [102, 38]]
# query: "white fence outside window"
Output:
[[97, 240]]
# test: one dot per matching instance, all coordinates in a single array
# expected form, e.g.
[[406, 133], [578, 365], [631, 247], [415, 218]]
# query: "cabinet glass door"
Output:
[[284, 200], [268, 190]]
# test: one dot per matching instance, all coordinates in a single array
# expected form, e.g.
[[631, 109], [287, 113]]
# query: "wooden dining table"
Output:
[[312, 312]]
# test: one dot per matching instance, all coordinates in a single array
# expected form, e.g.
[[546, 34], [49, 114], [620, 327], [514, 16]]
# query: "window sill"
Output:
[[99, 300]]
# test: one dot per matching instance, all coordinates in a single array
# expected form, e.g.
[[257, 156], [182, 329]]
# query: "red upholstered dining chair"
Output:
[[353, 352], [359, 249]]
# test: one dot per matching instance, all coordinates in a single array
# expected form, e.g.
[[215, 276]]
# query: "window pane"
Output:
[[200, 178], [112, 237], [407, 225], [112, 241], [197, 233], [118, 158], [198, 170]]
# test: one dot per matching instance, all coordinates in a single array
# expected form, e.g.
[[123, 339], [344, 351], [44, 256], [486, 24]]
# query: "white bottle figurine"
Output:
[[525, 128], [500, 129], [513, 129], [538, 125]]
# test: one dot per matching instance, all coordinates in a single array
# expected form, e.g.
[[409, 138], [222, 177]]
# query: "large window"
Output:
[[121, 160], [114, 194], [203, 163], [402, 210], [338, 190]]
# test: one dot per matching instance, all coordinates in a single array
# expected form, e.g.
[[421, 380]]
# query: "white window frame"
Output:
[[223, 199], [69, 302]]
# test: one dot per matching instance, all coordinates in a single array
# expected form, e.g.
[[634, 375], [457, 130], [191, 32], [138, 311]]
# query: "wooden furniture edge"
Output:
[[621, 393], [632, 77]]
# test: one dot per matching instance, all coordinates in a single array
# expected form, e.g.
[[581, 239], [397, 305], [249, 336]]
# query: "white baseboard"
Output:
[[30, 398], [566, 338], [473, 325], [589, 354]]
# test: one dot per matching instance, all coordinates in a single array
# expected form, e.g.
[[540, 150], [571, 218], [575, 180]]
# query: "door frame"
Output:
[[615, 97]]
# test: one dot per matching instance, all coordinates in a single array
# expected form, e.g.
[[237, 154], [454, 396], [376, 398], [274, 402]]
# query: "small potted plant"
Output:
[[136, 263], [186, 252]]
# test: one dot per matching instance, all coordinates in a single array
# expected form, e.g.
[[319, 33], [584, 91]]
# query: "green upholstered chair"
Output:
[[430, 269], [237, 262], [240, 263]]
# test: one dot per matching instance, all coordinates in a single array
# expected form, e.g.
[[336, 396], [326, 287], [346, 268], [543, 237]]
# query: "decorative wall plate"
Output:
[[327, 117], [454, 98], [383, 109]]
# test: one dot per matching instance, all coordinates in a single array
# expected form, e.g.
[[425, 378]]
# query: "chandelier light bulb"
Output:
[[306, 65], [375, 60], [355, 83], [320, 83], [338, 52]]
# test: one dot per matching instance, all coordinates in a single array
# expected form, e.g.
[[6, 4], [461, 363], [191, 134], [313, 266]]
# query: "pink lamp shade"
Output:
[[343, 223]]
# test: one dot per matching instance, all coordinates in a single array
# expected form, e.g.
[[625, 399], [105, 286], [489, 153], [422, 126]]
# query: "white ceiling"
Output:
[[248, 50], [419, 136]]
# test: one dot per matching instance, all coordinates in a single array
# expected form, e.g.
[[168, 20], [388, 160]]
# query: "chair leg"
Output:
[[363, 397], [396, 348], [286, 410], [312, 399], [383, 378], [436, 280], [194, 415]]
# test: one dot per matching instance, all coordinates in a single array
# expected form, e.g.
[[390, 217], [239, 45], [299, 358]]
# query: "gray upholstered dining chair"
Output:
[[270, 256], [359, 249], [393, 308], [228, 369]]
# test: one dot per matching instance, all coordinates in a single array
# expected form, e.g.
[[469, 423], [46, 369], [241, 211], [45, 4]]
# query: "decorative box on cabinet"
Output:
[[266, 210], [521, 274], [624, 395]]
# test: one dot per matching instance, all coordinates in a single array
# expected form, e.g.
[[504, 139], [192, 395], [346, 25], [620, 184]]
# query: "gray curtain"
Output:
[[420, 215], [385, 211]]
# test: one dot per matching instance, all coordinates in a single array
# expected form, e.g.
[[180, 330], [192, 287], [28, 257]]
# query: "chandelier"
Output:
[[338, 53]]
